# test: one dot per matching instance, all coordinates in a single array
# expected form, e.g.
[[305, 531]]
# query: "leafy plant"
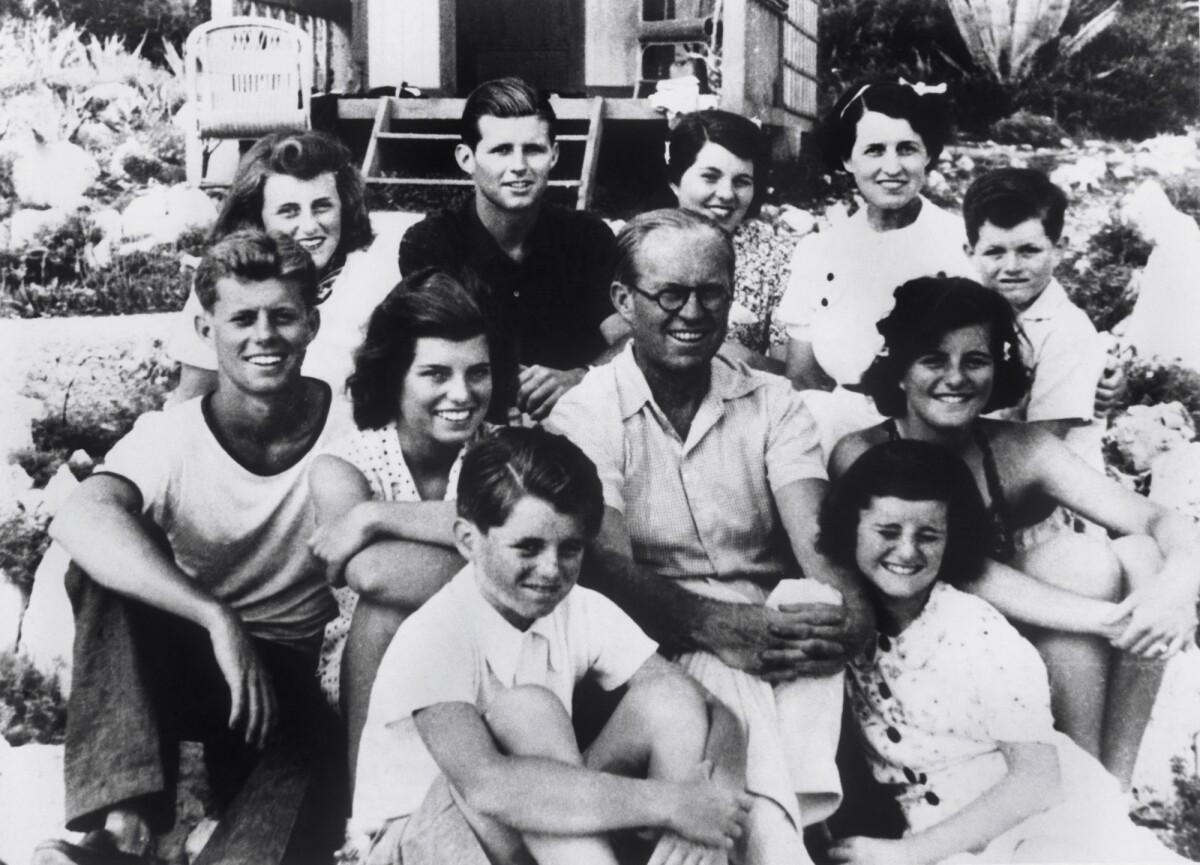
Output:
[[32, 705], [148, 24], [23, 542], [1101, 289], [1155, 384]]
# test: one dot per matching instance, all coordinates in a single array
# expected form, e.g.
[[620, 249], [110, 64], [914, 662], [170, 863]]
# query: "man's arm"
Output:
[[562, 798], [100, 526]]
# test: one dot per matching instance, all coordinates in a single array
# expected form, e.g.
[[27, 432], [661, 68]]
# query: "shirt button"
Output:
[[885, 691], [932, 798], [893, 734]]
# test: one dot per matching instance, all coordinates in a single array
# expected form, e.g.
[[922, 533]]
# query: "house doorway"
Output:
[[540, 41]]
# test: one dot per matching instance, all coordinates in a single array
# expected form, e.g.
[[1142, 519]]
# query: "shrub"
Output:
[[152, 23], [1136, 79], [57, 279], [1154, 384], [1113, 253], [23, 542], [32, 705]]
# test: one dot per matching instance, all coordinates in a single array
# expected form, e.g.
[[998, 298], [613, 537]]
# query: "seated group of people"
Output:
[[347, 558]]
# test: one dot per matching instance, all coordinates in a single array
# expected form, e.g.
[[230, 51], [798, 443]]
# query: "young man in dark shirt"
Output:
[[547, 268]]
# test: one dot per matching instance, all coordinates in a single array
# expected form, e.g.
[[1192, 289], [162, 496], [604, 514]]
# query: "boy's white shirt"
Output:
[[457, 648]]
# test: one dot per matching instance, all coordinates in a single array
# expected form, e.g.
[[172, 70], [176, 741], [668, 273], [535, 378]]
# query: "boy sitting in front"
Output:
[[468, 753], [1014, 219]]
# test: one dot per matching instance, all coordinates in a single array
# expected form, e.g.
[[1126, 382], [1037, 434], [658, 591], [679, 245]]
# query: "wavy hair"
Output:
[[735, 133], [925, 112], [926, 310], [914, 471], [303, 155], [427, 303]]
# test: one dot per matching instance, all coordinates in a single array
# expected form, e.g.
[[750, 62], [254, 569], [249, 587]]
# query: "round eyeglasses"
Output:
[[712, 298]]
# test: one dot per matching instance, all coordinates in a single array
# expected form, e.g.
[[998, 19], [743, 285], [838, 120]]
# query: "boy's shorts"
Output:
[[437, 833]]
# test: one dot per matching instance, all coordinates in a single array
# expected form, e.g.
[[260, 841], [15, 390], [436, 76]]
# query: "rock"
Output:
[[1172, 729], [1175, 479], [12, 607], [1085, 173], [1144, 432], [1163, 321], [60, 486], [81, 462], [31, 789], [28, 226], [54, 174], [17, 414], [14, 483], [936, 183], [966, 165], [1168, 155], [48, 629], [164, 213]]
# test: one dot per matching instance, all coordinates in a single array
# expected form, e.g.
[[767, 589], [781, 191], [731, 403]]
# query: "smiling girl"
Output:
[[952, 703], [421, 385], [952, 352]]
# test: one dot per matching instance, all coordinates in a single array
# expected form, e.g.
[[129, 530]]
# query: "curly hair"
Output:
[[427, 303], [925, 112], [914, 471], [255, 256], [735, 133], [926, 310], [1006, 197], [515, 462], [303, 155]]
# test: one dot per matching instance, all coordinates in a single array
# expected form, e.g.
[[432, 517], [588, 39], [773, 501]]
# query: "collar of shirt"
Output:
[[728, 382], [499, 641], [483, 247], [1046, 304]]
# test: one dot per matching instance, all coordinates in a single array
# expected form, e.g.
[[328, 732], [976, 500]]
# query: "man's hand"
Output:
[[335, 543], [540, 387], [705, 813], [252, 696], [781, 645]]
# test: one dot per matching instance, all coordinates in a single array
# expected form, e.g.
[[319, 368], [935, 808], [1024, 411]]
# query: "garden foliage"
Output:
[[1136, 79], [32, 706]]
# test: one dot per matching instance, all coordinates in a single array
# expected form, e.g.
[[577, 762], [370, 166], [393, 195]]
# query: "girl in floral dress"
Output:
[[952, 703]]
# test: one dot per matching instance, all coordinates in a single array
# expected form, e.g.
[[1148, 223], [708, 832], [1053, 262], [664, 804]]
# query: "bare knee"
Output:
[[1140, 558], [673, 704], [1077, 563], [529, 720]]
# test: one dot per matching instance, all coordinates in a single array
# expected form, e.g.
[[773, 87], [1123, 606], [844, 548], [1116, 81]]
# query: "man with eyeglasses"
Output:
[[712, 481]]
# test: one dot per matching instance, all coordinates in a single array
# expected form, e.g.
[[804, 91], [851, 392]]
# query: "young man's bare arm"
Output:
[[100, 526], [565, 799]]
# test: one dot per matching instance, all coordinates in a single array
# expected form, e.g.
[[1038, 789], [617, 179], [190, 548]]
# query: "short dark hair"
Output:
[[926, 310], [255, 256], [634, 234], [926, 113], [914, 471], [303, 155], [1006, 197], [501, 469], [505, 98], [735, 133], [427, 303]]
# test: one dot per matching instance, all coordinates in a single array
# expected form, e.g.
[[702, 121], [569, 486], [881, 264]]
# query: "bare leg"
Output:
[[531, 722], [1078, 664], [1133, 683], [371, 632]]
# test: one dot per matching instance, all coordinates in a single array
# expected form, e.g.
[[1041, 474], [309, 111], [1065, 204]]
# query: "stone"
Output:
[[1086, 172], [1144, 432], [29, 226], [163, 213], [61, 485], [81, 462], [17, 414], [54, 174], [31, 789], [1175, 479], [14, 483], [48, 629], [12, 607], [1163, 321], [95, 136], [936, 183]]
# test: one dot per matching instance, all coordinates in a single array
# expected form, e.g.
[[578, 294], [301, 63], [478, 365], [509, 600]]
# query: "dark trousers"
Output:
[[144, 680]]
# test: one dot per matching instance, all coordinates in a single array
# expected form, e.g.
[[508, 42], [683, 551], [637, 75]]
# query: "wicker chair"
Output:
[[245, 77]]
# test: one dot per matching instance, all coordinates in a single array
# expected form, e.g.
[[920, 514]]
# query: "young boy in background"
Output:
[[468, 753], [1014, 220]]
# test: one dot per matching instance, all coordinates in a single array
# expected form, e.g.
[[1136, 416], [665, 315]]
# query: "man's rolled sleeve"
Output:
[[793, 450]]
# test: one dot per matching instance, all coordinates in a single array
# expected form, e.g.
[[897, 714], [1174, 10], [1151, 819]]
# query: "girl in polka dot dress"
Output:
[[421, 386], [952, 704]]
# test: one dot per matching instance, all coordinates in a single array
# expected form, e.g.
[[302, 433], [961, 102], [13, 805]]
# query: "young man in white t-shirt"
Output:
[[468, 754], [198, 611]]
